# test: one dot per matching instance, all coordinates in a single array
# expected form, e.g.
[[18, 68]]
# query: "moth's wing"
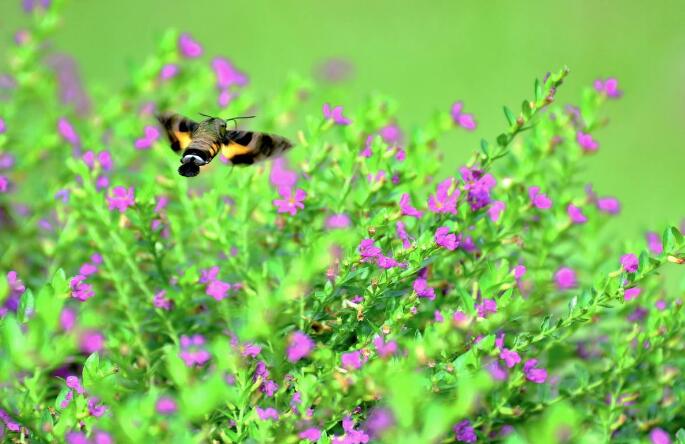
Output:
[[248, 147], [178, 129]]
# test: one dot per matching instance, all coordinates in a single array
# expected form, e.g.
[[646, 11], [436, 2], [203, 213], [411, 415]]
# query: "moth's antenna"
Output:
[[205, 115], [236, 118]]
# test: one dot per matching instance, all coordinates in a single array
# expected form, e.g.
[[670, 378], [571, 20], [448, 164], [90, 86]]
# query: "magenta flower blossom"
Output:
[[121, 198], [227, 74], [67, 131], [268, 413], [510, 357], [496, 371], [443, 201], [387, 262], [478, 187], [445, 239], [407, 209], [75, 438], [165, 406], [659, 436], [311, 434], [384, 349], [466, 121], [496, 209], [11, 425], [91, 341], [576, 214], [609, 205], [168, 71], [586, 142], [368, 250], [519, 272], [401, 231], [150, 137], [161, 301], [193, 352], [95, 408], [423, 290], [630, 262], [79, 289], [608, 87], [464, 432], [391, 134], [299, 346], [218, 289], [565, 278], [4, 184], [209, 275], [67, 319], [352, 360], [335, 114], [378, 421], [660, 305], [3, 127], [654, 243], [74, 384], [631, 293], [188, 47], [290, 202], [17, 288], [534, 374], [337, 221], [539, 200], [486, 307]]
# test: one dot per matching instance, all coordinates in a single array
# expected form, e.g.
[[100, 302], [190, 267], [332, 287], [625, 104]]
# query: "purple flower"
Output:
[[495, 210], [654, 243], [486, 307], [446, 240], [335, 114], [121, 198], [478, 187], [352, 360], [311, 434], [539, 200], [193, 351], [660, 305], [168, 71], [384, 349], [290, 201], [75, 438], [388, 262], [94, 409], [30, 5], [631, 293], [227, 75], [659, 436], [368, 250], [161, 301], [67, 319], [533, 374], [150, 137], [575, 214], [630, 262], [267, 413], [608, 87], [443, 201], [71, 89], [463, 120], [188, 47], [91, 341], [17, 288], [337, 221], [609, 205], [74, 384], [218, 289], [250, 350], [280, 175], [510, 357], [66, 130], [105, 160], [638, 315], [586, 142], [209, 275], [165, 406], [101, 183], [423, 290], [464, 432], [519, 271], [391, 134], [401, 231], [378, 421], [4, 184], [79, 289], [407, 209], [299, 346], [496, 371], [3, 128], [565, 278], [100, 437]]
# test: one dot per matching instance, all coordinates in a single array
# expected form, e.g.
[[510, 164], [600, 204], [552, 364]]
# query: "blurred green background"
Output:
[[428, 54]]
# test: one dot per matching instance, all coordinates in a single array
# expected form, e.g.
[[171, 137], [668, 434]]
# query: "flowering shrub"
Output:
[[350, 293]]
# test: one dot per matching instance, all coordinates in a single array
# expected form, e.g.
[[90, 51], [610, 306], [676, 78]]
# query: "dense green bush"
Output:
[[348, 294]]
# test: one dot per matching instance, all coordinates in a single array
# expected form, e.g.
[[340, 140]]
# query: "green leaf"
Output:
[[27, 306], [511, 118], [538, 91]]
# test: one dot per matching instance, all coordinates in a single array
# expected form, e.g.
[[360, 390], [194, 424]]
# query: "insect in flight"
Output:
[[199, 142]]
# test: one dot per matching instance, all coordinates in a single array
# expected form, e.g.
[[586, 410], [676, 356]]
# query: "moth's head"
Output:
[[212, 126]]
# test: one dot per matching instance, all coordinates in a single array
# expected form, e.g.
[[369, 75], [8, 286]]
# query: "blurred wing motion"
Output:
[[178, 129], [248, 147]]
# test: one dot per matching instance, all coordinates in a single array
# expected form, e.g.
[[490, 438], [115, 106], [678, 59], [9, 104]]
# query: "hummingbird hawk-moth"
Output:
[[199, 142]]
